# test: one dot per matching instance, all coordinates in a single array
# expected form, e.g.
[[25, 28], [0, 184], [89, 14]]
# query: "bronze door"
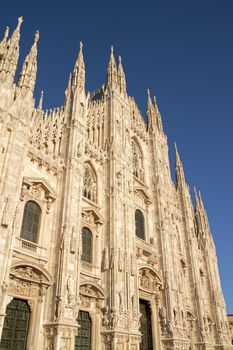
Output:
[[145, 328], [83, 339], [15, 328]]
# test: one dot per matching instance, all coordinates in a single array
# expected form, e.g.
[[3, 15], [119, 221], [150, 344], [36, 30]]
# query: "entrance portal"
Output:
[[15, 328], [145, 328], [83, 339]]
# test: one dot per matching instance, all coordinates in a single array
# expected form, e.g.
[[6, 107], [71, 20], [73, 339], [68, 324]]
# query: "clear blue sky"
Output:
[[182, 51]]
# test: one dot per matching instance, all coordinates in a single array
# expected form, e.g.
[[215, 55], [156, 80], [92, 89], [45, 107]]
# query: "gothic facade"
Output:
[[99, 249]]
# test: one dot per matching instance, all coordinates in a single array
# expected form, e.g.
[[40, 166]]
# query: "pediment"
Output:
[[30, 272], [91, 290], [92, 216], [41, 182], [142, 192]]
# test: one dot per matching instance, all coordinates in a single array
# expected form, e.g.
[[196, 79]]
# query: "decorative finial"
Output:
[[81, 45], [37, 36], [20, 20], [111, 48], [148, 92], [119, 59]]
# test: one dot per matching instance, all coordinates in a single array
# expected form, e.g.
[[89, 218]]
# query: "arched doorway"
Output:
[[83, 339], [15, 328], [145, 326]]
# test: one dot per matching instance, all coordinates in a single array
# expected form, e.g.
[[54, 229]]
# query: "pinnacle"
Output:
[[37, 36], [41, 100], [20, 20], [6, 32]]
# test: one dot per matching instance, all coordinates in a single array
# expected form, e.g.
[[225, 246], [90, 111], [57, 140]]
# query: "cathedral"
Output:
[[99, 248]]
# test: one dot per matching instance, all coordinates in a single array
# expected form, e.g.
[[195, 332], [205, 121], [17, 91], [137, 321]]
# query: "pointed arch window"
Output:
[[139, 224], [31, 222], [137, 161], [87, 248], [89, 184]]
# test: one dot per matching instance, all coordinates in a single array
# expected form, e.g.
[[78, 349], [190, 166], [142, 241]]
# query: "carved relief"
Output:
[[149, 280]]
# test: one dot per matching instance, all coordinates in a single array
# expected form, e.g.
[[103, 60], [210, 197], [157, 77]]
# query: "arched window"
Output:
[[31, 222], [139, 224], [137, 161], [86, 245], [89, 183]]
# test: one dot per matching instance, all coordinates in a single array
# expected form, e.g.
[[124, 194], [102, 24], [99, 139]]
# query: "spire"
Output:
[[78, 76], [10, 52], [27, 78], [158, 115], [201, 202], [149, 102], [3, 43], [180, 178], [150, 112], [40, 104], [112, 71], [121, 77]]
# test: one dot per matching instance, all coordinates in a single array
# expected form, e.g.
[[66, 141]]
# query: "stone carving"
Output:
[[134, 303], [105, 320], [89, 184], [58, 308], [70, 288], [106, 259], [5, 286], [163, 320], [6, 212], [113, 317], [121, 300], [26, 272]]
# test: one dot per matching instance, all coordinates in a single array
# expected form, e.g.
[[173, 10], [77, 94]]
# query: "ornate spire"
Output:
[[180, 178], [112, 75], [10, 52], [121, 77], [78, 76], [27, 78]]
